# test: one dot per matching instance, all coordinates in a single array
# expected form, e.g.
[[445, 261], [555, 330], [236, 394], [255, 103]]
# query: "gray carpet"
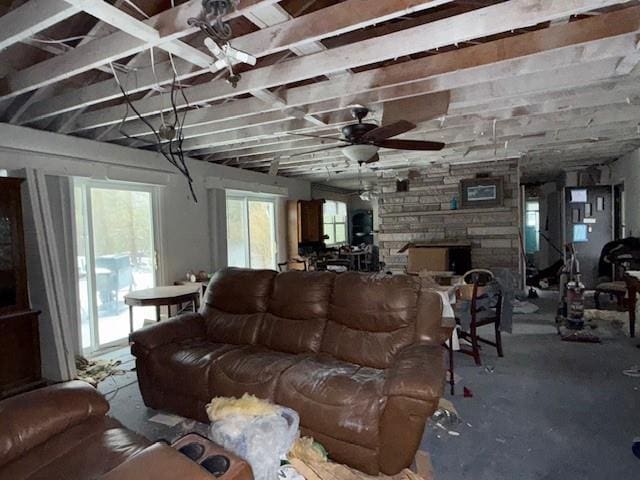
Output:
[[550, 409], [547, 410]]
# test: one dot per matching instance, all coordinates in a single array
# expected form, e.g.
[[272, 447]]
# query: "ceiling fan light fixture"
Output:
[[359, 152]]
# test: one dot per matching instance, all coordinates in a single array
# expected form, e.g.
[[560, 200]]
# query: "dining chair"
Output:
[[285, 266], [481, 315]]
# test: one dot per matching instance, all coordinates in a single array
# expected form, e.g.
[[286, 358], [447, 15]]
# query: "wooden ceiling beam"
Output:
[[482, 112], [469, 149], [462, 83], [480, 23], [126, 23], [171, 25], [291, 34], [558, 79], [32, 17], [582, 41], [573, 141]]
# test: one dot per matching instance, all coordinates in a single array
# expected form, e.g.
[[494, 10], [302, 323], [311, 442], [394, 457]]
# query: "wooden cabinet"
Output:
[[305, 225], [310, 221], [19, 337]]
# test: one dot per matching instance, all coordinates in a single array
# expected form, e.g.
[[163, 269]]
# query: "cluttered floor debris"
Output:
[[547, 410]]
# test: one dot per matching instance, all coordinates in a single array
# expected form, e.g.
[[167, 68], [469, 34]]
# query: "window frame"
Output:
[[333, 222]]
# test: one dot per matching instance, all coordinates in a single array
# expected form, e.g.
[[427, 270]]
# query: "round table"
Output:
[[162, 296]]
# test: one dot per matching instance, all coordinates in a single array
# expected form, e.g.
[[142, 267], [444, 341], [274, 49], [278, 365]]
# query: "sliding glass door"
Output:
[[116, 254], [251, 237]]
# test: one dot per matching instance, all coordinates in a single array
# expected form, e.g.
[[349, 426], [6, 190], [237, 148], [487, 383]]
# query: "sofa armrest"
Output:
[[158, 462], [32, 418], [176, 329], [418, 372]]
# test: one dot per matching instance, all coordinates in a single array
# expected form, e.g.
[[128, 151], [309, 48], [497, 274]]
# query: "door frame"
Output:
[[87, 184]]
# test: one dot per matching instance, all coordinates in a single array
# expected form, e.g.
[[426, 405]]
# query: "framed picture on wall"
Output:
[[482, 192]]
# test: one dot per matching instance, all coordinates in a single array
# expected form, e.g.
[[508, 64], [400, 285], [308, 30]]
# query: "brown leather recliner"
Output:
[[358, 356], [61, 433]]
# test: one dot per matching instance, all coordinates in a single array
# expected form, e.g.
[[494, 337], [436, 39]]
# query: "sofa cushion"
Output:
[[236, 329], [335, 398], [185, 367], [255, 370], [371, 318], [297, 312], [239, 290], [234, 304]]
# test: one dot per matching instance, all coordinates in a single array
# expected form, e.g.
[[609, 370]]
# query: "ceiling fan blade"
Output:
[[411, 145], [374, 159], [388, 131], [317, 150], [318, 136]]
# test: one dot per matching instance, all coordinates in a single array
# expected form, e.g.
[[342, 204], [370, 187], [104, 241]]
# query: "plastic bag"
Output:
[[260, 440]]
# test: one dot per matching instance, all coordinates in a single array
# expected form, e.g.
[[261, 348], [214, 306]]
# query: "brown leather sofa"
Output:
[[358, 356], [61, 433]]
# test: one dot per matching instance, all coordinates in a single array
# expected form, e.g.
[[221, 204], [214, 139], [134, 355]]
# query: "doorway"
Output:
[[115, 242], [251, 232]]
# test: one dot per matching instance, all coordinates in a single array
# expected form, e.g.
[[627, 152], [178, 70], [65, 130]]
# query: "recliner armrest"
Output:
[[32, 418], [418, 372], [158, 462], [176, 329]]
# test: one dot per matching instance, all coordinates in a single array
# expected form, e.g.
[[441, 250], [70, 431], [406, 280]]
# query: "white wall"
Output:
[[627, 170], [193, 235]]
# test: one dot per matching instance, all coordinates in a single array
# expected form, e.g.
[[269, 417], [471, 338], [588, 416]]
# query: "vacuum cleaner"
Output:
[[571, 301]]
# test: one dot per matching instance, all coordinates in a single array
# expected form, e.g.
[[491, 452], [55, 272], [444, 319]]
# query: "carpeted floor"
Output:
[[547, 410]]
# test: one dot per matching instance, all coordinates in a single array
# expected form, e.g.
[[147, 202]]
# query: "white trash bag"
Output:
[[260, 440]]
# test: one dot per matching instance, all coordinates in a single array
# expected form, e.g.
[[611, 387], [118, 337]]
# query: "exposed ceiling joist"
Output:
[[31, 18], [315, 26], [458, 79], [286, 145], [582, 74], [547, 127], [118, 18], [171, 25], [581, 41], [476, 24]]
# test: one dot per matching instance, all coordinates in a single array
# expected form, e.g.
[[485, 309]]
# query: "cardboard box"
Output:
[[434, 259]]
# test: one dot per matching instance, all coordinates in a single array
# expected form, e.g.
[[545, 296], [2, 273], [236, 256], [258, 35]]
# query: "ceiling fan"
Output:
[[363, 140]]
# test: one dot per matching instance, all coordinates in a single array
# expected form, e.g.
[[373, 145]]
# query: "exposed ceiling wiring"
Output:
[[62, 40], [175, 153], [217, 28]]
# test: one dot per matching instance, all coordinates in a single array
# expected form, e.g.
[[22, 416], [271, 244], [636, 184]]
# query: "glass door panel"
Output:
[[237, 235], [262, 235], [251, 237], [116, 255]]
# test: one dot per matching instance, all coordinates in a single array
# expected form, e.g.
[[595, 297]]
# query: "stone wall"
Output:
[[423, 214]]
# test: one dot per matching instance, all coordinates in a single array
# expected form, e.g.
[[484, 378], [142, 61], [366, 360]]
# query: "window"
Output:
[[251, 232], [335, 222], [532, 226]]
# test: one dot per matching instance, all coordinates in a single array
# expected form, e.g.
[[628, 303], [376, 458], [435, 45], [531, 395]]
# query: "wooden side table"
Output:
[[162, 296], [632, 280]]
